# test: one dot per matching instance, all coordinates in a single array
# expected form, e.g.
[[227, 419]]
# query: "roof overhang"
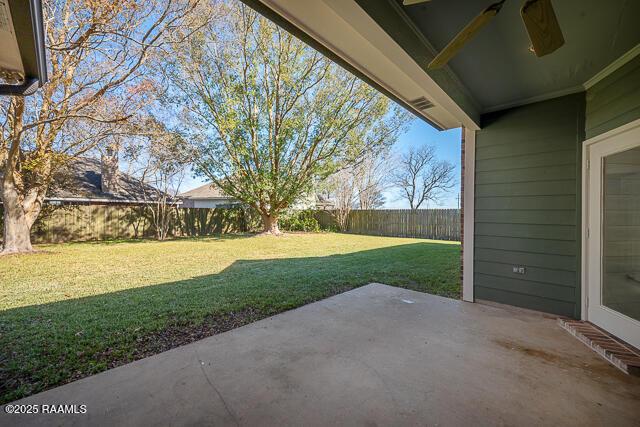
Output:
[[390, 46], [22, 48], [343, 31]]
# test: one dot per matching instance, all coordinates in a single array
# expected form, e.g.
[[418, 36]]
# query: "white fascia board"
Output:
[[348, 31]]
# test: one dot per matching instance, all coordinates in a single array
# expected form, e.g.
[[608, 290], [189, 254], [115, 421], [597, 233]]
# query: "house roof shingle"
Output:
[[206, 191], [82, 179]]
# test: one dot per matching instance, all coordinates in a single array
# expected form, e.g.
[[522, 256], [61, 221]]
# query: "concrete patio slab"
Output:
[[377, 355]]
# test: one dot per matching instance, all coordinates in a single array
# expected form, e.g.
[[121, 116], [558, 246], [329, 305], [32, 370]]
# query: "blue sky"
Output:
[[447, 145]]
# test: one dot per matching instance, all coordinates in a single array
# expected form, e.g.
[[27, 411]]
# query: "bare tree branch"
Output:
[[421, 177], [99, 78]]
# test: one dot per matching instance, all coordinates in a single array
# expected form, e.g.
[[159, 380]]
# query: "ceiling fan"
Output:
[[538, 17]]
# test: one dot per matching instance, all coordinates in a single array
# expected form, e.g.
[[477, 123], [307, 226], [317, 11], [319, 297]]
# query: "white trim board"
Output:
[[469, 213]]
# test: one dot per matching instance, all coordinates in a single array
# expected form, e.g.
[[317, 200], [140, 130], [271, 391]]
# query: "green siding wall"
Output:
[[615, 100], [527, 205]]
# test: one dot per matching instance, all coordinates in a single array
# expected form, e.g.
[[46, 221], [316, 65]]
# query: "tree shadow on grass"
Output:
[[46, 345]]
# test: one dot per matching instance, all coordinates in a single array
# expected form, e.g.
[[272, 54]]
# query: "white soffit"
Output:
[[346, 30]]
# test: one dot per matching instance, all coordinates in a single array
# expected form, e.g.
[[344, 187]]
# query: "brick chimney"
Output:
[[109, 172]]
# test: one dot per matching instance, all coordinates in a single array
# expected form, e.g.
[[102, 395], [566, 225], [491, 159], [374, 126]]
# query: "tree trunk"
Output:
[[17, 230], [270, 224]]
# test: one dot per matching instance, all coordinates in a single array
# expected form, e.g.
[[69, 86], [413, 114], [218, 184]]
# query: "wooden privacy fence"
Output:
[[440, 224], [101, 222]]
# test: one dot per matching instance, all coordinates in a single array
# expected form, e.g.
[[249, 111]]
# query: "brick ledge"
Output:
[[618, 353]]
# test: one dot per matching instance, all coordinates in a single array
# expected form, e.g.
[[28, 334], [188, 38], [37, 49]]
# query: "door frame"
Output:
[[629, 128]]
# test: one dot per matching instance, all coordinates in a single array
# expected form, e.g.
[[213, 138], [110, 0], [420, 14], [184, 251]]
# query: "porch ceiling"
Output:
[[390, 45], [497, 66]]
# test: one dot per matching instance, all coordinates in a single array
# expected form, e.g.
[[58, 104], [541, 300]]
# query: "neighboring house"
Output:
[[206, 196], [550, 145], [306, 201], [210, 196], [324, 203], [312, 200], [89, 181]]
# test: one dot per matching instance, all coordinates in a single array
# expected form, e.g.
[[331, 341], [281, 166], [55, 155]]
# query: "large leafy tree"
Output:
[[98, 54], [270, 115]]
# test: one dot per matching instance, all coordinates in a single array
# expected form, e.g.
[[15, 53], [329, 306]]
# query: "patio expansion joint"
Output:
[[620, 354]]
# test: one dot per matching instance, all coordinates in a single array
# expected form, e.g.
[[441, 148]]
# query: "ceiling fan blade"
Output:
[[542, 25], [467, 33], [410, 2]]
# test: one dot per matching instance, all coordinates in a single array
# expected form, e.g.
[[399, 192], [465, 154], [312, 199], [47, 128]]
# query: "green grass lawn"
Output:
[[78, 309]]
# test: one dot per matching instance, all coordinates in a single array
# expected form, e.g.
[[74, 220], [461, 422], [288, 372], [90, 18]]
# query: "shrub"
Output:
[[300, 221]]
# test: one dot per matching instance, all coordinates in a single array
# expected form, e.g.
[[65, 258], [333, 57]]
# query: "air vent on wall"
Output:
[[421, 103]]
